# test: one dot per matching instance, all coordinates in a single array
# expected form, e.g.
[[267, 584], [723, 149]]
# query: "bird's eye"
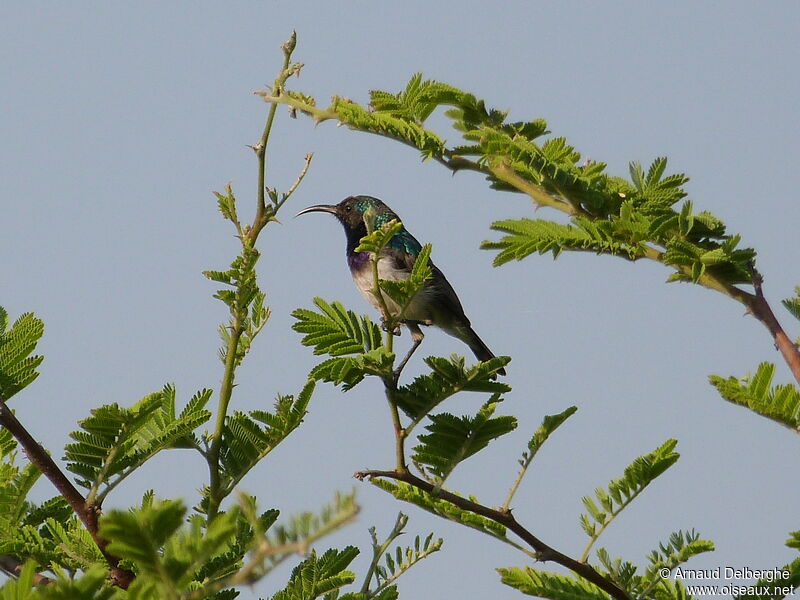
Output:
[[348, 208]]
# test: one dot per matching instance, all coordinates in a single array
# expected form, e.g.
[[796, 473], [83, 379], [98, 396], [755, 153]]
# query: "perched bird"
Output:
[[435, 304]]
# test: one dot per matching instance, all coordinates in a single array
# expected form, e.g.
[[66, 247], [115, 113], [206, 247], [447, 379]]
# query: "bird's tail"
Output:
[[479, 349]]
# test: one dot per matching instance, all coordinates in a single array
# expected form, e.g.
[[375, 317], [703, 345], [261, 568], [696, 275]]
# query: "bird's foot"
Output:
[[385, 327]]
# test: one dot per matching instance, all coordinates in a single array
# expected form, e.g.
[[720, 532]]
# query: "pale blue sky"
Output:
[[118, 122]]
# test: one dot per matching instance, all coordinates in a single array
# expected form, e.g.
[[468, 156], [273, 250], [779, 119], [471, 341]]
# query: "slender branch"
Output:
[[265, 550], [505, 518], [504, 172], [399, 433], [285, 196], [225, 392], [762, 311], [262, 216], [238, 322], [379, 549], [87, 513], [516, 484]]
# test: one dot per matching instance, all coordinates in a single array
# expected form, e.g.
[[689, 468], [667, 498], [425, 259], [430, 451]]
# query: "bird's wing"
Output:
[[446, 296], [404, 249]]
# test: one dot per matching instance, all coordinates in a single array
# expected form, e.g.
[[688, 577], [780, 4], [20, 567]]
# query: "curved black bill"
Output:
[[328, 208]]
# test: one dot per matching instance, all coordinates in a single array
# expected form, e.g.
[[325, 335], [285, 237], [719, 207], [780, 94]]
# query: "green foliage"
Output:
[[780, 403], [448, 377], [17, 366], [172, 557], [526, 236], [319, 575], [353, 341], [377, 238], [633, 218], [621, 492], [303, 528], [679, 549], [404, 558], [397, 563], [403, 291], [453, 439], [362, 119], [650, 584], [549, 424], [21, 588], [544, 584], [438, 506], [248, 438], [244, 299], [115, 441], [335, 330], [775, 588], [793, 304], [46, 533], [91, 586]]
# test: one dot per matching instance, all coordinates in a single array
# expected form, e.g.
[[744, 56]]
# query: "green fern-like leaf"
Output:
[[549, 424], [385, 124], [403, 291], [526, 236], [680, 547], [247, 439], [167, 554], [351, 370], [780, 403], [378, 237], [775, 588], [437, 506], [114, 441], [402, 559], [90, 585], [307, 527], [453, 439], [544, 584], [447, 378], [319, 575], [335, 330], [621, 492], [140, 535], [793, 304], [17, 366]]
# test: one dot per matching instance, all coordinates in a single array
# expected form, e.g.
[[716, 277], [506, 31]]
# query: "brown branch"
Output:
[[87, 513], [761, 310], [12, 566], [505, 518]]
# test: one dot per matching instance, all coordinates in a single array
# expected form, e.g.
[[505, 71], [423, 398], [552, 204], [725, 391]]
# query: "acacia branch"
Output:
[[87, 513], [505, 518], [12, 566], [761, 310]]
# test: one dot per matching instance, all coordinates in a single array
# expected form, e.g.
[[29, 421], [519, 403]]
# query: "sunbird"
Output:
[[436, 303]]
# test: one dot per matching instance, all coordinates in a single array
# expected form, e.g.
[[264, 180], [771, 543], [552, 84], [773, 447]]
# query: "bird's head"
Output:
[[351, 211]]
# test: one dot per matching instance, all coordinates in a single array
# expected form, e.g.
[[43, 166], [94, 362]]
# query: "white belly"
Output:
[[417, 310]]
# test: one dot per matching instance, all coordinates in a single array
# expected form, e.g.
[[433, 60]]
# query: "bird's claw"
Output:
[[385, 327]]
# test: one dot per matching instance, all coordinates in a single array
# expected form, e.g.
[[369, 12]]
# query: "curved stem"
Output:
[[225, 392], [543, 551], [87, 513], [761, 310], [262, 217]]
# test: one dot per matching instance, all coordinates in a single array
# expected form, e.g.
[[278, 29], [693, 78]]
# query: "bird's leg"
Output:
[[385, 327], [416, 338]]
